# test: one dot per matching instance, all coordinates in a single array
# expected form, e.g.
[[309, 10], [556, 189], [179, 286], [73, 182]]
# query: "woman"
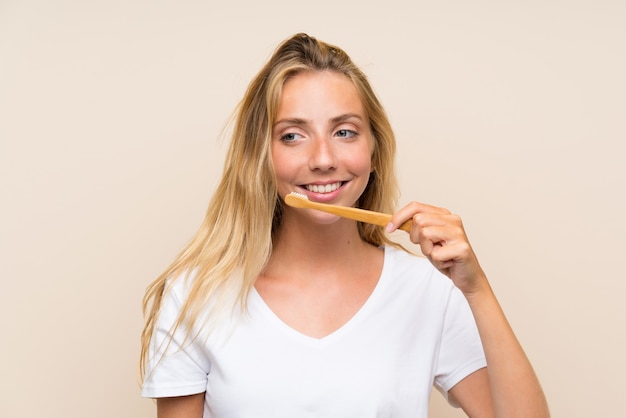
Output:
[[273, 311]]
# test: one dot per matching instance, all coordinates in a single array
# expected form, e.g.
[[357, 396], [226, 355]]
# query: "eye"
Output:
[[290, 137], [345, 133]]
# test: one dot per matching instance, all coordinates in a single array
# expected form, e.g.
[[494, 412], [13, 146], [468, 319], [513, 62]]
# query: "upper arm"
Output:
[[473, 394], [191, 406]]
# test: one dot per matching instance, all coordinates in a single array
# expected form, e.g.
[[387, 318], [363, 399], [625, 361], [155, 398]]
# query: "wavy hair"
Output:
[[234, 241]]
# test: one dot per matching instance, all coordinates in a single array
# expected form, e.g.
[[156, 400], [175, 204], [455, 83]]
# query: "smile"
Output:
[[323, 188]]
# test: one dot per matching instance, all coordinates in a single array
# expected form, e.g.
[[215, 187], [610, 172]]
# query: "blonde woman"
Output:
[[274, 312]]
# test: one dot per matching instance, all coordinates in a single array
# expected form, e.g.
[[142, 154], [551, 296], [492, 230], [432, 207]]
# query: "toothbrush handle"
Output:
[[356, 214]]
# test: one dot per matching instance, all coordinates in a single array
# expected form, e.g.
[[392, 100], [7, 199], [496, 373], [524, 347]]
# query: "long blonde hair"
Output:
[[234, 242]]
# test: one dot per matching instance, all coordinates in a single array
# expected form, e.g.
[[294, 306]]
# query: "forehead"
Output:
[[319, 92]]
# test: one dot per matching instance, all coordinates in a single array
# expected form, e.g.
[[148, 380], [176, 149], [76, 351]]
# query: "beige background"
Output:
[[512, 114]]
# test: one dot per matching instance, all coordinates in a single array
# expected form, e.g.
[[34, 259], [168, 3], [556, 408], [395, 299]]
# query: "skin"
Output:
[[508, 387], [322, 138], [181, 406]]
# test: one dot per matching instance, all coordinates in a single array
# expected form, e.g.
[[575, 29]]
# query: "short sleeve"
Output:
[[461, 352], [177, 366]]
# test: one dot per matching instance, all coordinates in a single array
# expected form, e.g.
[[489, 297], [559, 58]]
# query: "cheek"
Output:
[[285, 168], [361, 162]]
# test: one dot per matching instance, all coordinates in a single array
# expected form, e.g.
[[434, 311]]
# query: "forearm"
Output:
[[516, 391]]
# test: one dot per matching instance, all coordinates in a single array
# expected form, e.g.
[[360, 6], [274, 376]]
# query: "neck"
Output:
[[318, 248]]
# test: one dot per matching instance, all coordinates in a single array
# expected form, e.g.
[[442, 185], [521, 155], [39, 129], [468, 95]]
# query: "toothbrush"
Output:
[[298, 200]]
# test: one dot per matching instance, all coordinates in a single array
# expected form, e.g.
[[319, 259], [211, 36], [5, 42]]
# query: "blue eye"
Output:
[[345, 133], [290, 137]]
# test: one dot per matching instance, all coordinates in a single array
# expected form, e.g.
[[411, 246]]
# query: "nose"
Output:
[[323, 155]]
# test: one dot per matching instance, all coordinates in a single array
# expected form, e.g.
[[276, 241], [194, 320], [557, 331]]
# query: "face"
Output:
[[321, 141]]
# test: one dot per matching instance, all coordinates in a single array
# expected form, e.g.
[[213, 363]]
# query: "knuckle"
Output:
[[418, 219], [464, 248]]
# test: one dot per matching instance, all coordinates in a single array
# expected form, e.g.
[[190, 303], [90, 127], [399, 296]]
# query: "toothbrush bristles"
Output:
[[303, 196]]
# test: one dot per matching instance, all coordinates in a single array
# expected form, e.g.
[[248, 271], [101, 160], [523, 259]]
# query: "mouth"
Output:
[[323, 188]]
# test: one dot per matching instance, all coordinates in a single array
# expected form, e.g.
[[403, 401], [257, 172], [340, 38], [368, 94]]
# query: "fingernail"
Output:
[[389, 227]]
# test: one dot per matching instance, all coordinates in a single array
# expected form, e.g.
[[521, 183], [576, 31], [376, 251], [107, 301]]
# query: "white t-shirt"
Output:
[[414, 331]]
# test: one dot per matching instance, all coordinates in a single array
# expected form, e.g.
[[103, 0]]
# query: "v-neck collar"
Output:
[[258, 306]]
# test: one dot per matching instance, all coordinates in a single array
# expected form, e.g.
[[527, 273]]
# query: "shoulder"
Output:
[[402, 264], [399, 256], [177, 288], [413, 275]]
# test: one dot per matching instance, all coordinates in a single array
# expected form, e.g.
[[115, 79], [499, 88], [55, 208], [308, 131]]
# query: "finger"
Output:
[[436, 228], [410, 210], [443, 246], [458, 252]]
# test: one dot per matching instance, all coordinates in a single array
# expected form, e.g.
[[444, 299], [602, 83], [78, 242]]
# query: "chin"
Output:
[[325, 219]]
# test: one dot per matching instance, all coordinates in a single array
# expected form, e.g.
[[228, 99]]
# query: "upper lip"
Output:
[[323, 183]]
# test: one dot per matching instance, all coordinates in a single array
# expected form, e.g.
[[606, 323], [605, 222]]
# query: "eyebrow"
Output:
[[291, 121], [347, 116], [336, 119]]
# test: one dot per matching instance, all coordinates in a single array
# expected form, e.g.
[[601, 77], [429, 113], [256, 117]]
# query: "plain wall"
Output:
[[512, 114]]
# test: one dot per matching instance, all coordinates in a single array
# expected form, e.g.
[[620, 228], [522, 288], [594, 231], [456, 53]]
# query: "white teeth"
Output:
[[323, 188]]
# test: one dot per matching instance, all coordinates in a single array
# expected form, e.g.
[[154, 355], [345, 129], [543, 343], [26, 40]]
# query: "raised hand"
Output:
[[442, 239]]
